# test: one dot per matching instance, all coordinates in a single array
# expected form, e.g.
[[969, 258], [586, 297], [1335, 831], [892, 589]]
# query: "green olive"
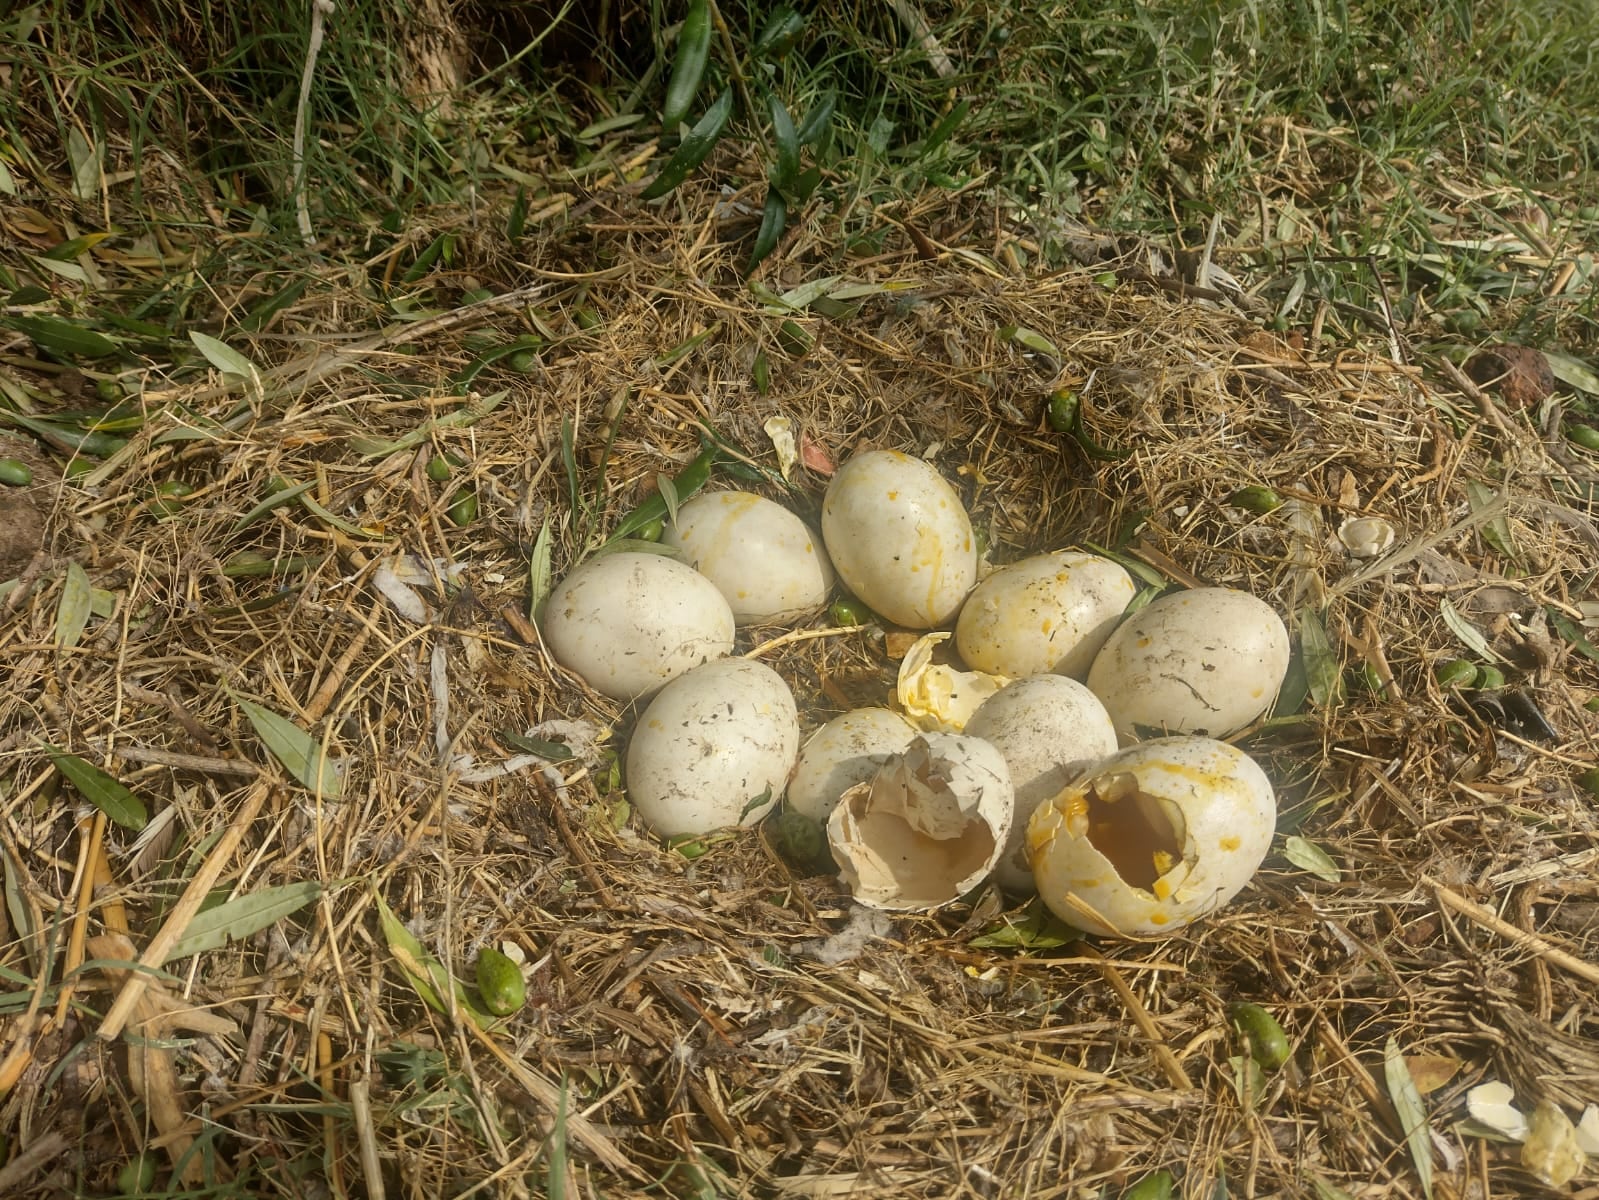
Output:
[[1268, 1044], [1585, 436], [463, 507], [1490, 679], [1064, 406], [1588, 781], [79, 466], [107, 391], [15, 472], [523, 361], [1155, 1186], [1455, 673], [438, 468], [650, 532], [1256, 499], [850, 612], [802, 841], [168, 498], [500, 982], [137, 1175]]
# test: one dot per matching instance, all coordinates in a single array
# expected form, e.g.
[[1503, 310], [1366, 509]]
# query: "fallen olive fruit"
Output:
[[438, 468], [850, 612], [1455, 673], [651, 532], [1256, 499], [1489, 679], [1064, 407], [500, 982], [524, 362], [1588, 781], [15, 472], [1155, 1186], [1585, 436], [463, 508], [137, 1175], [1268, 1044]]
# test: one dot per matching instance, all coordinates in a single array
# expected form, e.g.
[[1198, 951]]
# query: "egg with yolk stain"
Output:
[[900, 538], [1153, 837]]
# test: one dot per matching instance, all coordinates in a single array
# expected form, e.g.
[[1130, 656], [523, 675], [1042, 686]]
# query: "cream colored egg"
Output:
[[1048, 613], [713, 749], [1205, 661], [761, 557], [1049, 728], [846, 751], [899, 538], [928, 827], [1152, 838], [627, 623]]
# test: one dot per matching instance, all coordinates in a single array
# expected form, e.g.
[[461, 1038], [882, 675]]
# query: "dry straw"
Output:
[[703, 1021]]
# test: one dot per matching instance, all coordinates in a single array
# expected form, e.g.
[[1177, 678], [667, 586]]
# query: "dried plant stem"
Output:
[[155, 955], [1175, 1075], [1540, 946]]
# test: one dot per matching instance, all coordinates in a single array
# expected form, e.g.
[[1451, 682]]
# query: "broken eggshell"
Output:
[[846, 751], [1366, 537], [939, 698], [1152, 838], [1049, 728], [928, 827]]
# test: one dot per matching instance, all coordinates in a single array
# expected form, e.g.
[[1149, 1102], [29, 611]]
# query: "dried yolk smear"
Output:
[[1132, 830]]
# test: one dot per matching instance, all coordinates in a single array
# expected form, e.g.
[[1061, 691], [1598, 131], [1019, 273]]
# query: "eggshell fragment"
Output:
[[1049, 728], [1206, 661], [760, 556], [627, 623], [846, 751], [1153, 837], [713, 749], [928, 827], [1048, 613], [937, 697], [899, 538]]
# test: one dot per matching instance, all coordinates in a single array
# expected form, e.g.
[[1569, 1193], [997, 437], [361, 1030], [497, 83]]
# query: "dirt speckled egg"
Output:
[[1208, 661], [847, 750], [1048, 613], [761, 557], [713, 749], [627, 623], [1049, 728], [1152, 838], [928, 827], [899, 538]]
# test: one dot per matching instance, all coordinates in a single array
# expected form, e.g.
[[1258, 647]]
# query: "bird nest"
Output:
[[316, 676]]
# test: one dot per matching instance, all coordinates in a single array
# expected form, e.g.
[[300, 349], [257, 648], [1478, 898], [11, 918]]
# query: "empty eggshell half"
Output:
[[760, 556], [713, 749], [1151, 838], [1049, 728], [1048, 613], [937, 697], [900, 538], [928, 827], [627, 623], [1208, 660], [846, 751]]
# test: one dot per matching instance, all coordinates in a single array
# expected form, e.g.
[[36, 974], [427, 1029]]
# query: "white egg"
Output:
[[928, 827], [1205, 661], [848, 750], [627, 623], [899, 538], [1153, 837], [713, 749], [1049, 728], [758, 554], [1048, 613]]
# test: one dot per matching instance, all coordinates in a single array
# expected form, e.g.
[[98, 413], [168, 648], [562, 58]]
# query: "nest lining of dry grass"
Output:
[[717, 1021]]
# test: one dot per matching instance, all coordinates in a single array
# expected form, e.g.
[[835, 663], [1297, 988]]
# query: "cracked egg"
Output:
[[1152, 838], [928, 827], [1206, 661]]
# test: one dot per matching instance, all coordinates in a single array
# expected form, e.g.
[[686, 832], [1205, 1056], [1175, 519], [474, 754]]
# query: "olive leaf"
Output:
[[1412, 1112], [77, 602], [1308, 856], [299, 752], [106, 793], [213, 928]]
